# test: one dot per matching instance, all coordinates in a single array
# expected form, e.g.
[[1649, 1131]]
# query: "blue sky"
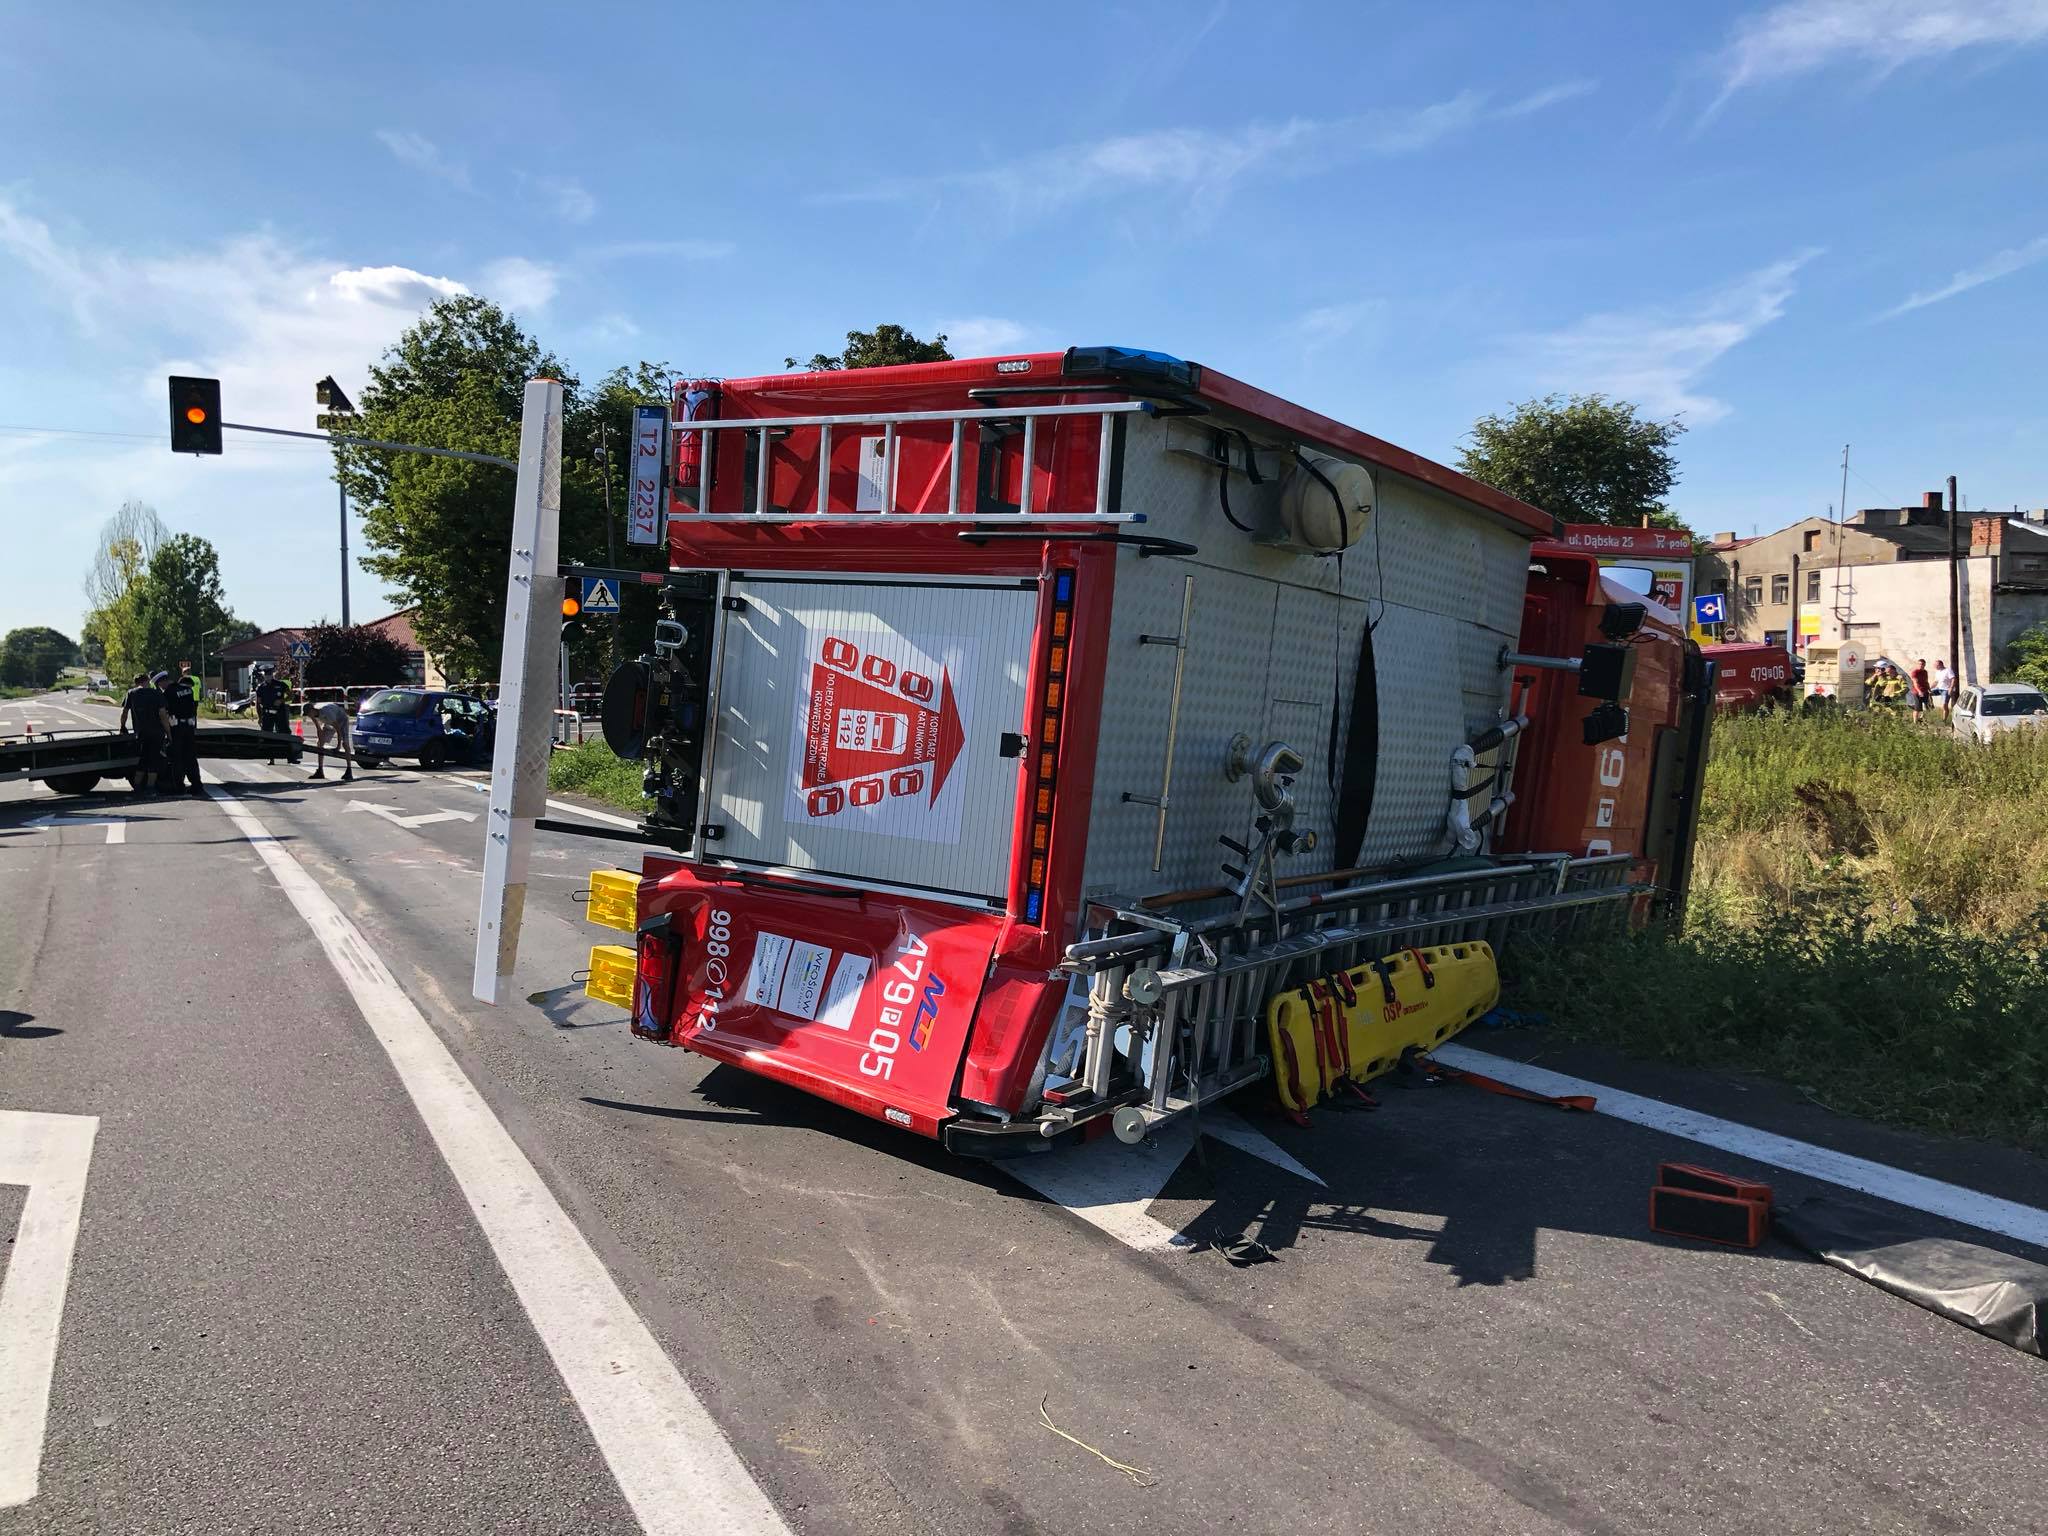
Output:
[[1800, 225]]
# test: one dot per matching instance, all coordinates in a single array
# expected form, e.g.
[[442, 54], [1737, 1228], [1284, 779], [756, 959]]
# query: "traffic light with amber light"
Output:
[[195, 415], [572, 610]]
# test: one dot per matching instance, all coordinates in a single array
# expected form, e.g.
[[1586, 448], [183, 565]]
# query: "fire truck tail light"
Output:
[[654, 981]]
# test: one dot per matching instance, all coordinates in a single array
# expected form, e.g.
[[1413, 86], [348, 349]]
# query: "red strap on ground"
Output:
[[1437, 1070]]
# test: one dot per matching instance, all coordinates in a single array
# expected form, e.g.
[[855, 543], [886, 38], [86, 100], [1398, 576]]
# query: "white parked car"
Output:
[[1984, 711]]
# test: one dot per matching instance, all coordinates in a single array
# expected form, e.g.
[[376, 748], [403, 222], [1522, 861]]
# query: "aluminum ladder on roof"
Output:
[[889, 422]]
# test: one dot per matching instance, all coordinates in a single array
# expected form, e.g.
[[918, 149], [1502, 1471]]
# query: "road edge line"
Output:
[[1916, 1191], [51, 1157], [672, 1462]]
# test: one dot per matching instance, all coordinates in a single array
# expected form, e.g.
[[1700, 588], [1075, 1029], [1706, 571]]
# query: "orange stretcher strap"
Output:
[[1437, 1070]]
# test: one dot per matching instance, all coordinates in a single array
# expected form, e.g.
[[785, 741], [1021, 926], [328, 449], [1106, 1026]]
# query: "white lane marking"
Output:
[[397, 817], [1952, 1201], [117, 828], [1111, 1186], [671, 1460], [50, 1154], [578, 810]]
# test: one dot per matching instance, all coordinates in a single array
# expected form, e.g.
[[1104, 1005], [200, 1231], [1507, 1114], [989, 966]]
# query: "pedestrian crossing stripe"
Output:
[[598, 596]]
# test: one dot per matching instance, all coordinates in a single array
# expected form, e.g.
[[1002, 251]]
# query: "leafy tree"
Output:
[[32, 657], [884, 345], [127, 543], [356, 653], [441, 529], [2027, 657], [179, 600], [1583, 459], [92, 645]]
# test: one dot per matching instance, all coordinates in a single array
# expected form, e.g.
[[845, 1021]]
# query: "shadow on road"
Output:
[[16, 1026]]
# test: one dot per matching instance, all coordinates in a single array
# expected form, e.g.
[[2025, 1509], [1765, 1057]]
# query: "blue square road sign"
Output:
[[600, 595], [1709, 608]]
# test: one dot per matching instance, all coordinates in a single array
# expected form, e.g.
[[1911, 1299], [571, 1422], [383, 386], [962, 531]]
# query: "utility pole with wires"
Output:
[[1955, 630]]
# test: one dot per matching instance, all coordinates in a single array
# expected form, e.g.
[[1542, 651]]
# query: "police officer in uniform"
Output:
[[271, 693], [182, 751], [142, 711]]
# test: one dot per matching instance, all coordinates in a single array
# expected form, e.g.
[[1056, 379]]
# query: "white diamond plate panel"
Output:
[[1270, 635]]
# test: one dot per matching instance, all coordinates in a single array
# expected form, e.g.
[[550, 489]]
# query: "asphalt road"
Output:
[[284, 1316]]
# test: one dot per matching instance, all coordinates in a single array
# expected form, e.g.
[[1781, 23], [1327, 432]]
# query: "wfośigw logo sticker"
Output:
[[880, 724]]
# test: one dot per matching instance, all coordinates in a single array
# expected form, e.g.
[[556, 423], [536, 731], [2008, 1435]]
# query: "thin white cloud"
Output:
[[1659, 356], [2004, 264], [1802, 36], [519, 284], [1331, 323], [424, 155], [678, 250], [983, 335], [1549, 96], [1202, 165], [572, 200]]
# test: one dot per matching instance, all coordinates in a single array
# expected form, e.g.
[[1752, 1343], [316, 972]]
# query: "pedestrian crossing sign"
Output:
[[300, 650], [599, 595]]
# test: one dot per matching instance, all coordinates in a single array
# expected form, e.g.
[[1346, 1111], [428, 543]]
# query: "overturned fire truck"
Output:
[[1052, 744]]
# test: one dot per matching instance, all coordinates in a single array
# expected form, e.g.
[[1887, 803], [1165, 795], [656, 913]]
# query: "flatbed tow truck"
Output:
[[73, 762]]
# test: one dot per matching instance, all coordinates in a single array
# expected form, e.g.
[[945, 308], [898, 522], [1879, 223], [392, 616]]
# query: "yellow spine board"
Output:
[[1437, 991]]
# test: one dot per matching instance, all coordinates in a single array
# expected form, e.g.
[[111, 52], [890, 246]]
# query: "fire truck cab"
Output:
[[1019, 729]]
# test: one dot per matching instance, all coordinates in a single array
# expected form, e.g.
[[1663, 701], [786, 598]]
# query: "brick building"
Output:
[[1776, 580]]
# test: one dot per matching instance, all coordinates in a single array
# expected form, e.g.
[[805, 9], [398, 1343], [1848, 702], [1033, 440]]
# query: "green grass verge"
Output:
[[1924, 1026], [592, 770], [1868, 924]]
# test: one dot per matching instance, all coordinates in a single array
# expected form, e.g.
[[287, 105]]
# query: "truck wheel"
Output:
[[73, 783]]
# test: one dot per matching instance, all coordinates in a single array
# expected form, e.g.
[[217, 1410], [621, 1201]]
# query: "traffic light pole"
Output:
[[344, 549], [374, 442]]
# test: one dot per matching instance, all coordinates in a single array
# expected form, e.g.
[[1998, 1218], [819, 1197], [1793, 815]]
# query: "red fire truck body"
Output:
[[1031, 720], [1752, 675]]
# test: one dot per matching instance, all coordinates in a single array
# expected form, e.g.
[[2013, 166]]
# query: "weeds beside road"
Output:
[[1868, 923], [590, 769]]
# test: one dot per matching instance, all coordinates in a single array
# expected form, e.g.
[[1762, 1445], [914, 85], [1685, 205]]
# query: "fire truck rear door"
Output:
[[860, 730]]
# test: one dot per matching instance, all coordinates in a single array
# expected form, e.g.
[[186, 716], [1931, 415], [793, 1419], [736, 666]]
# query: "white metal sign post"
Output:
[[526, 688]]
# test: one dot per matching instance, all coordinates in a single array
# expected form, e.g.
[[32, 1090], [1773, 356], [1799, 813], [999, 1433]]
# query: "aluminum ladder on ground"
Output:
[[1183, 1004]]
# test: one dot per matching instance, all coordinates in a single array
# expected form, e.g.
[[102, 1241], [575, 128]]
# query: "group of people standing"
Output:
[[163, 711], [1917, 690]]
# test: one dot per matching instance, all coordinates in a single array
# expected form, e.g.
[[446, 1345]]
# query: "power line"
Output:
[[134, 437]]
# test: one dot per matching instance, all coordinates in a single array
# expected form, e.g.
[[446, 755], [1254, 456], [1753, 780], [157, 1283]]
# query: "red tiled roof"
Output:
[[271, 643], [274, 643]]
